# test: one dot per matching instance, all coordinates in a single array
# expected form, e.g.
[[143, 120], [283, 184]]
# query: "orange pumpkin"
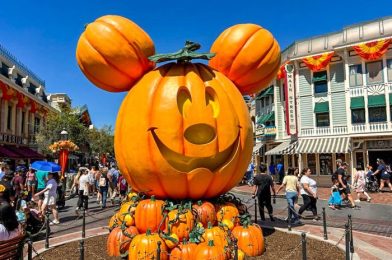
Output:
[[113, 53], [184, 251], [149, 215], [247, 54], [145, 247], [128, 220], [250, 239], [205, 212], [125, 209], [180, 223], [227, 211], [209, 251], [216, 234], [118, 242], [183, 131]]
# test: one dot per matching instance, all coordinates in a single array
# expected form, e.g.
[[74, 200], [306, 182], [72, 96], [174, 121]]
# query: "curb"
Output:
[[355, 256]]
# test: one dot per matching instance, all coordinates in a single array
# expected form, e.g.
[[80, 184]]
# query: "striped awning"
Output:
[[324, 145], [257, 147], [284, 148]]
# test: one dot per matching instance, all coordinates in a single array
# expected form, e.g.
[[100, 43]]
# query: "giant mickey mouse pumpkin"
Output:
[[183, 132]]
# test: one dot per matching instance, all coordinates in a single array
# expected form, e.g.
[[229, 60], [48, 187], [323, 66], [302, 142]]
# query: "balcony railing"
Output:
[[324, 131], [359, 91]]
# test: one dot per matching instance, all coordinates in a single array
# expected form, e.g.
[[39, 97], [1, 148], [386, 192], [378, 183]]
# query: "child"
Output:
[[123, 187], [335, 201], [359, 183]]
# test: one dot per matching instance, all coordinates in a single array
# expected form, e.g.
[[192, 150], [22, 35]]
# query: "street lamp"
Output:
[[64, 135]]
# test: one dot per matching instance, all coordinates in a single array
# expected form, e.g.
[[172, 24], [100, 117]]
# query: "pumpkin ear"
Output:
[[247, 54], [113, 53]]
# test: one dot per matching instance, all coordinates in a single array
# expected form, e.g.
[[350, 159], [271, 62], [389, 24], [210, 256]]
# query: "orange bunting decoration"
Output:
[[372, 50], [318, 62], [282, 71]]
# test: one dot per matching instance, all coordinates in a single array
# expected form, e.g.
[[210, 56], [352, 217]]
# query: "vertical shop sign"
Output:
[[291, 124]]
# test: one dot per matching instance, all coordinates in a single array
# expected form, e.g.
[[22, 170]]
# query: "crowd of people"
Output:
[[301, 184], [27, 194]]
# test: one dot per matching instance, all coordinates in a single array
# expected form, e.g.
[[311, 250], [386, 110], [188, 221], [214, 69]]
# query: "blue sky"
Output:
[[43, 34]]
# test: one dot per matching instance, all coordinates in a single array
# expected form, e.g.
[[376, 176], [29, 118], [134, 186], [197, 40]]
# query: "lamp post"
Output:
[[64, 135]]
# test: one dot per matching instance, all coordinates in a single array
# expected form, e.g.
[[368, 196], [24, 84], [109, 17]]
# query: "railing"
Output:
[[358, 128], [379, 127], [356, 91], [23, 68], [380, 88], [324, 131]]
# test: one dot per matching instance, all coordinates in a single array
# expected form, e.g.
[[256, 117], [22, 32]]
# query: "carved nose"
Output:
[[200, 134]]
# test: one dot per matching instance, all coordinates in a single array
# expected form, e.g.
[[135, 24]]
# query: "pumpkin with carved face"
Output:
[[183, 131]]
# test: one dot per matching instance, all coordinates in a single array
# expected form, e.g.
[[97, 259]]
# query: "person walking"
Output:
[[41, 177], [97, 176], [359, 184], [263, 184], [309, 193], [50, 194], [31, 182], [249, 174], [344, 187], [122, 187], [291, 185], [113, 176], [103, 186], [280, 171], [83, 190], [384, 175]]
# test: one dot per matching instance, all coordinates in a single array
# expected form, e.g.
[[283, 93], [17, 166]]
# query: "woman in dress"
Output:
[[308, 193], [359, 184]]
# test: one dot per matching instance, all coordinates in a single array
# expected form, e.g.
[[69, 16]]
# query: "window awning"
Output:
[[376, 101], [267, 92], [6, 153], [319, 77], [357, 103], [257, 147], [268, 117], [390, 98], [322, 107], [24, 152], [284, 148], [324, 145]]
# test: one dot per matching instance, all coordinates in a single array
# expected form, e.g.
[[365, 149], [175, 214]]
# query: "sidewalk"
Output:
[[324, 193]]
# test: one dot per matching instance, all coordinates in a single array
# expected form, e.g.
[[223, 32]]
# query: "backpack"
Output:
[[102, 182]]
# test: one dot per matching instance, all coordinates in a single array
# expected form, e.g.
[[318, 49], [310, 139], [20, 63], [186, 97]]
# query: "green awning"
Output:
[[319, 76], [357, 103], [322, 107], [376, 101], [267, 92], [390, 98], [266, 118]]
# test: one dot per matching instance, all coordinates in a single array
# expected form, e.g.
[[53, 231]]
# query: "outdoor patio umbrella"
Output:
[[46, 166]]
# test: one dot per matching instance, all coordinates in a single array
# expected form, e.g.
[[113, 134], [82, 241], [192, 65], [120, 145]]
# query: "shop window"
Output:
[[325, 161], [358, 116], [374, 72], [355, 75], [359, 160], [377, 114], [322, 119], [320, 82], [312, 162], [9, 117], [37, 123], [389, 69]]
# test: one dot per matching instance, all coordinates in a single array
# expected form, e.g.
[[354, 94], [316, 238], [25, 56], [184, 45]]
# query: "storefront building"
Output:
[[23, 108], [337, 100]]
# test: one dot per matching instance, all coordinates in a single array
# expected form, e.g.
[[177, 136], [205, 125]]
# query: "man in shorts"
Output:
[[344, 187], [41, 177], [50, 194]]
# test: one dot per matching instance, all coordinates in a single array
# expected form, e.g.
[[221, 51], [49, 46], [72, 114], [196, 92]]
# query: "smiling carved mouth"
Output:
[[185, 163]]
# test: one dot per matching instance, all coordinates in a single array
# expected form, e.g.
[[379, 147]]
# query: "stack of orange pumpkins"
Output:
[[183, 134], [187, 230]]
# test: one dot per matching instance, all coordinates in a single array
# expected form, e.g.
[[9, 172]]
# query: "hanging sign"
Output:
[[291, 124]]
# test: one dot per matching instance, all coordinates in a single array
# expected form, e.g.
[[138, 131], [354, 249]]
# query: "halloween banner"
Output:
[[318, 62], [372, 50], [63, 160]]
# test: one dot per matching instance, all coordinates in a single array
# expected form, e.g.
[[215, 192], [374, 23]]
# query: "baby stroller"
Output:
[[371, 184]]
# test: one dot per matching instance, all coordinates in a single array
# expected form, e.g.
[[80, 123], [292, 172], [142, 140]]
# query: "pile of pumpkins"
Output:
[[183, 229]]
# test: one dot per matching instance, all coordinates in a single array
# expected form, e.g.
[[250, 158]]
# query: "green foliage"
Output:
[[67, 119], [101, 140]]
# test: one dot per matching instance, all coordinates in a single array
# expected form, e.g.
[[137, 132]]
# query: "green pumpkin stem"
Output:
[[186, 54], [199, 203], [152, 198], [148, 232], [209, 224], [211, 243]]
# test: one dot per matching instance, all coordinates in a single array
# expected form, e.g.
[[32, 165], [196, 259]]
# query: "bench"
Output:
[[12, 249]]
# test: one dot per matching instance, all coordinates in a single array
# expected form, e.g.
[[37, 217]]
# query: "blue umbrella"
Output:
[[46, 166]]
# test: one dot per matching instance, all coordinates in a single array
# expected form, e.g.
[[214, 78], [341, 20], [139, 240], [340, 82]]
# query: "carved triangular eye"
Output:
[[184, 101], [212, 100]]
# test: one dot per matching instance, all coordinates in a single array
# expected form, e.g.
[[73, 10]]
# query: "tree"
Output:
[[101, 140], [67, 119]]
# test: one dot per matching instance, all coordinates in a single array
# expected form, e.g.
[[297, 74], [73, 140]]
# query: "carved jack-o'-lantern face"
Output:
[[183, 131]]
